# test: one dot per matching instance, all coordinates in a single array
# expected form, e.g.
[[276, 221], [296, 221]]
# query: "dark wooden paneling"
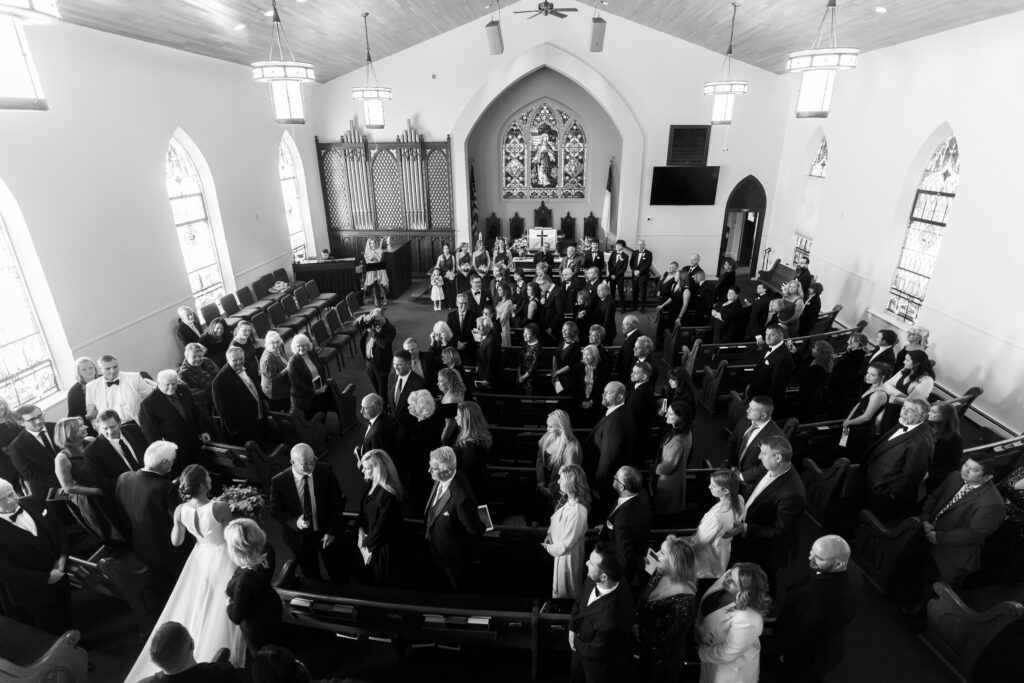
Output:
[[423, 246]]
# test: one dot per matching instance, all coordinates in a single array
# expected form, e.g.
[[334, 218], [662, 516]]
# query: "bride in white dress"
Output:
[[711, 548], [199, 600]]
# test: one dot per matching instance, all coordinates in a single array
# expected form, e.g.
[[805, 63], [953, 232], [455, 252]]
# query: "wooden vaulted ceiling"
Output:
[[329, 33]]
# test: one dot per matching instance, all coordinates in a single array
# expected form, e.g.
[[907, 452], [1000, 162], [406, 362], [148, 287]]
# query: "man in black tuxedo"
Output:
[[170, 414], [898, 462], [401, 382], [462, 322], [814, 613], [769, 527], [478, 296], [488, 356], [690, 270], [32, 562], [642, 403], [594, 258], [147, 500], [381, 431], [604, 314], [812, 309], [32, 451], [452, 521], [377, 342], [118, 449], [744, 448], [640, 262], [803, 273], [237, 399], [774, 370], [627, 352], [884, 352], [726, 280], [552, 311], [700, 306], [601, 622], [618, 262], [423, 364], [608, 447], [463, 277], [629, 524], [307, 501], [173, 650]]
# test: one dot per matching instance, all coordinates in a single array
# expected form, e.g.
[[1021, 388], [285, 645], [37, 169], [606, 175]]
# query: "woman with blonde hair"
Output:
[[556, 449], [729, 633], [917, 340], [376, 277], [253, 604], [274, 373], [665, 611], [86, 371], [792, 307], [380, 517], [95, 509], [565, 537], [472, 446]]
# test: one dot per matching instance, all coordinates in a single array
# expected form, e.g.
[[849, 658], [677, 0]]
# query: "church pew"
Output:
[[28, 654], [710, 381], [521, 411], [776, 276], [823, 489], [249, 464], [879, 549], [120, 574]]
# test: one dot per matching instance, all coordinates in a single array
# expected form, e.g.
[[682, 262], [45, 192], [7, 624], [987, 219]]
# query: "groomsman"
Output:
[[640, 266]]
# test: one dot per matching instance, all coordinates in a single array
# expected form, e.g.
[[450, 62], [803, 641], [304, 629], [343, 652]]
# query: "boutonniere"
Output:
[[446, 514], [45, 512]]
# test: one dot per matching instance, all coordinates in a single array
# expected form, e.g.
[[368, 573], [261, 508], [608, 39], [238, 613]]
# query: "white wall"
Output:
[[887, 118], [88, 177]]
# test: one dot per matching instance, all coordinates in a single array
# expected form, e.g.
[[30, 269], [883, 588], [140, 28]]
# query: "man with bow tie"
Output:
[[116, 390], [33, 561], [640, 264], [601, 622], [898, 461], [773, 371], [452, 521]]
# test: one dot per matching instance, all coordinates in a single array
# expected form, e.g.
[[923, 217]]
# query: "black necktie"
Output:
[[129, 454], [45, 438], [307, 500], [115, 382]]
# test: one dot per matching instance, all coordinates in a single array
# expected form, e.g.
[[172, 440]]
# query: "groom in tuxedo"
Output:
[[307, 501]]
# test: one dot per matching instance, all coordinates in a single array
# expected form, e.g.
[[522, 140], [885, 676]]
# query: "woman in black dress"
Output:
[[811, 379], [567, 356], [380, 518], [949, 445], [728, 319], [528, 359], [446, 265], [245, 339], [680, 389], [861, 426], [586, 383], [94, 508], [472, 447], [665, 612], [452, 359], [532, 314], [253, 603], [86, 371], [307, 377], [453, 392], [216, 340], [847, 375], [415, 441]]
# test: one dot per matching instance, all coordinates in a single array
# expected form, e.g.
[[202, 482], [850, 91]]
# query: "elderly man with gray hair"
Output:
[[238, 401], [488, 354], [170, 414], [452, 521]]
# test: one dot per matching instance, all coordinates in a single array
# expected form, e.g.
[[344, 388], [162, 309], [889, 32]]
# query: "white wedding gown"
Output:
[[199, 601]]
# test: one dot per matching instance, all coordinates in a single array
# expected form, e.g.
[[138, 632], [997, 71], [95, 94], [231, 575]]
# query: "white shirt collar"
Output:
[[613, 409]]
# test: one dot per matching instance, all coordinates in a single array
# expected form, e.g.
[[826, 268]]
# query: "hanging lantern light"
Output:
[[725, 89], [372, 96], [19, 83], [819, 66], [285, 76]]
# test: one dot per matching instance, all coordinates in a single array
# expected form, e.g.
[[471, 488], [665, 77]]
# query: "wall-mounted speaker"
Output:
[[494, 40], [597, 28]]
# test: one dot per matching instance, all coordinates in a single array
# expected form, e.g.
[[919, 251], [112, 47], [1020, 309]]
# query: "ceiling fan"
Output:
[[547, 8]]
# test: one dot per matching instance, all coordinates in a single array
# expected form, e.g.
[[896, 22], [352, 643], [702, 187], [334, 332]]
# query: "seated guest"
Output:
[[172, 650], [669, 469], [423, 364], [253, 604], [118, 449], [307, 379], [665, 611], [453, 392], [529, 357], [169, 414], [898, 462], [812, 309], [601, 622], [884, 352], [238, 401], [812, 379], [381, 432], [730, 622], [116, 390], [452, 520], [567, 355], [608, 447], [472, 447], [488, 357], [86, 371], [585, 384], [861, 426], [188, 330], [848, 375], [629, 523], [402, 382], [274, 373], [711, 546], [417, 437], [680, 389], [216, 339], [92, 506], [556, 449], [32, 451], [915, 379], [949, 445], [197, 373], [917, 340], [564, 540], [728, 318], [380, 518]]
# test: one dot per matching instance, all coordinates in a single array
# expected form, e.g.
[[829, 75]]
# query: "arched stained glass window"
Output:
[[927, 225], [195, 233], [544, 154], [819, 167], [292, 205]]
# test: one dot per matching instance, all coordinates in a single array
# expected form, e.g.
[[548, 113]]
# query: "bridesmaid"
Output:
[[446, 266], [565, 537]]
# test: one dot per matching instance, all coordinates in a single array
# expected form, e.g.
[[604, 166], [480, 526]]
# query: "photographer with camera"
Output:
[[376, 342]]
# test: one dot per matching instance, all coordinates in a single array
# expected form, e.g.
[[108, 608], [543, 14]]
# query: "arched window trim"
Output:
[[521, 121], [819, 164], [288, 143]]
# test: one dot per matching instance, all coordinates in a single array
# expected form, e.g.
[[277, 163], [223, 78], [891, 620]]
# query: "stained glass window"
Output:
[[927, 225], [292, 206], [544, 154], [819, 167], [802, 248], [26, 366], [195, 234]]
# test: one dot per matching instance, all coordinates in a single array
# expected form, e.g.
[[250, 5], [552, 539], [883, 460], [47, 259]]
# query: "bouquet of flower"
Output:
[[244, 500], [521, 244]]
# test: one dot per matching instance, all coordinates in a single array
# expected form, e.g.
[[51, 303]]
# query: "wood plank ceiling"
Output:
[[329, 33]]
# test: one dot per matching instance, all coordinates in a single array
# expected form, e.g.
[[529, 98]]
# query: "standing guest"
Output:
[[188, 330], [274, 373], [505, 308], [118, 449], [33, 562], [253, 604], [452, 521], [376, 280], [552, 313], [32, 451], [463, 281], [120, 391], [380, 518], [529, 357], [197, 373], [453, 392], [815, 611], [744, 446], [591, 280], [803, 273], [629, 523], [381, 431], [727, 279], [172, 651], [731, 620], [642, 350], [596, 337], [440, 339], [847, 374], [584, 312], [668, 279], [702, 300], [238, 401], [585, 384], [898, 462], [680, 389], [216, 339], [711, 547], [595, 257], [627, 352], [618, 262], [9, 430], [420, 435], [170, 414], [608, 446], [401, 383], [376, 343], [948, 455], [446, 267], [307, 502], [472, 447], [669, 470], [556, 449], [640, 262], [489, 361], [307, 379], [861, 426], [812, 380], [757, 311], [244, 338], [601, 622], [691, 270], [86, 371], [478, 297], [812, 309], [452, 360], [773, 372], [641, 401], [567, 355], [917, 340], [665, 611], [564, 540], [461, 321], [728, 318], [501, 254], [885, 340], [604, 312], [96, 512], [533, 295], [674, 303]]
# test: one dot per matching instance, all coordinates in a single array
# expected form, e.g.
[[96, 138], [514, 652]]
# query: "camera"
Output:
[[365, 322]]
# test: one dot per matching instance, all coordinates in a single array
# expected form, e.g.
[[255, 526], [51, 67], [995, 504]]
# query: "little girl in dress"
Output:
[[436, 288]]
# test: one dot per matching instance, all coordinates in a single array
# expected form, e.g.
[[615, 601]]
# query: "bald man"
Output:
[[608, 447], [815, 611]]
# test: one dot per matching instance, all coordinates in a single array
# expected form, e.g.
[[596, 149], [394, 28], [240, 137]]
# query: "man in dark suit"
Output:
[[147, 500], [690, 270], [812, 309], [642, 403], [488, 356], [803, 273], [307, 501], [898, 461], [726, 280], [462, 322], [452, 521], [774, 370], [423, 364], [701, 305], [401, 382], [618, 262], [478, 296], [814, 613], [629, 524], [381, 432], [170, 414], [238, 401], [884, 352], [744, 448], [601, 622], [594, 258], [608, 447], [640, 262], [604, 313], [767, 533], [377, 342], [32, 451], [173, 651], [552, 311], [32, 562], [627, 352], [118, 449]]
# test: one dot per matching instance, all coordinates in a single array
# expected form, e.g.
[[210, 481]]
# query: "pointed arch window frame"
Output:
[[518, 147], [819, 164], [296, 206]]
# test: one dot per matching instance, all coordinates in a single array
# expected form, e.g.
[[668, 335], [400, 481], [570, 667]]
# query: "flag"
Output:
[[474, 214], [606, 210]]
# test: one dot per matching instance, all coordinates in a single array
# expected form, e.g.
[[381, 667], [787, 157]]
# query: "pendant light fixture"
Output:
[[285, 76], [819, 66], [372, 96], [725, 89], [19, 83]]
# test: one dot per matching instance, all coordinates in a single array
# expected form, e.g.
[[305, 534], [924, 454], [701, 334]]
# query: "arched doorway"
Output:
[[741, 228]]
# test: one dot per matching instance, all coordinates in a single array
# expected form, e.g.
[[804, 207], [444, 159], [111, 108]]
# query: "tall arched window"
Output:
[[195, 232], [290, 190], [932, 203], [544, 153]]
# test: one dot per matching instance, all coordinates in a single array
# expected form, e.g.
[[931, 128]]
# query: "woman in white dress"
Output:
[[505, 307], [199, 601], [730, 622], [710, 547], [564, 541], [376, 281]]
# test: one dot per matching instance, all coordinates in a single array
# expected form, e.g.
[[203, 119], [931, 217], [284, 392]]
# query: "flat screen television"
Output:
[[684, 185]]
